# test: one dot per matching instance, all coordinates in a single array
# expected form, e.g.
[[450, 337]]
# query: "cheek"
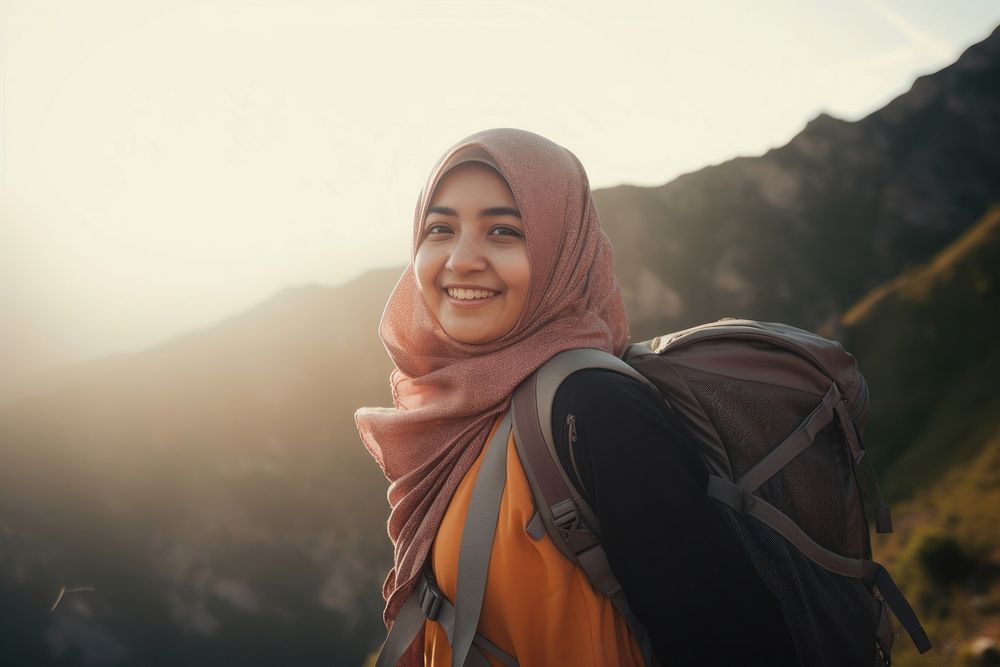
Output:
[[425, 270], [517, 275], [520, 273]]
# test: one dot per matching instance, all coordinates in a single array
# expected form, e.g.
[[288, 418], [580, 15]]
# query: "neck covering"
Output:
[[447, 394]]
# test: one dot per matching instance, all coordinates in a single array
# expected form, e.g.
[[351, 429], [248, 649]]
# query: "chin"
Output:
[[468, 335], [471, 339]]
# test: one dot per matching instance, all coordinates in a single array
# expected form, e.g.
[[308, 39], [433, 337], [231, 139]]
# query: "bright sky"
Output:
[[167, 164]]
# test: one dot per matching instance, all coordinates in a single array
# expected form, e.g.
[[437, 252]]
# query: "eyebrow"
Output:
[[496, 210]]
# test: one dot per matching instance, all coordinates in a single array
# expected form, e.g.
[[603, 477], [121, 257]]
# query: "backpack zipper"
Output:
[[571, 435], [757, 333]]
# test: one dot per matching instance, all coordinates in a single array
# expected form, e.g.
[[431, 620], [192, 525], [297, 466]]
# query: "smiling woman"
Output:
[[510, 267], [472, 262]]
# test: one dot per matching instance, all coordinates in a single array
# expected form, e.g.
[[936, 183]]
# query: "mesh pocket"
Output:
[[752, 418], [809, 490], [833, 619]]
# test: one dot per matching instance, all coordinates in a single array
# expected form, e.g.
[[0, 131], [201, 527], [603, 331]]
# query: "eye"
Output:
[[504, 230], [438, 228]]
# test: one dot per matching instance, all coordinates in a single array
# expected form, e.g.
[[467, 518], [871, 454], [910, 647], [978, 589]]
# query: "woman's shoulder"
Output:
[[598, 391], [605, 423]]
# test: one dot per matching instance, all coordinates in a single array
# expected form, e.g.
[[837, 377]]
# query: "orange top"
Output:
[[538, 606]]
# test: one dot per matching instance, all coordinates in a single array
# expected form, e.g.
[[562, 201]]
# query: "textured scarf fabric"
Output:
[[447, 394]]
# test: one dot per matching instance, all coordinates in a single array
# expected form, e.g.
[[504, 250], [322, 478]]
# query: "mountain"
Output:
[[800, 233], [213, 492]]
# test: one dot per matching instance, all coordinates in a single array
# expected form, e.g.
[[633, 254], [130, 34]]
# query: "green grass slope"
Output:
[[929, 347], [927, 342]]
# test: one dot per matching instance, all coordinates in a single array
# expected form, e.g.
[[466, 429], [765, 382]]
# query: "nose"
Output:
[[466, 255]]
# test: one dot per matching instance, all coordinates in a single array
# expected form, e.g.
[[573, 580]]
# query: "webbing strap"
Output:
[[884, 634], [883, 516], [404, 629], [637, 629], [535, 528], [444, 615], [477, 541], [756, 506], [428, 602], [902, 609], [803, 436], [558, 503], [563, 511], [594, 562], [747, 503]]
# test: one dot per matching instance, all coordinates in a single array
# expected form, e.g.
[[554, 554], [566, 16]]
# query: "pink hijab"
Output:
[[447, 394]]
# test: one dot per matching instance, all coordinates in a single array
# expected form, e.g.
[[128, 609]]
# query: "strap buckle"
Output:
[[574, 530], [430, 601], [565, 517]]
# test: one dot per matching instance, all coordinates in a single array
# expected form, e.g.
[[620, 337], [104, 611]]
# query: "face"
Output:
[[472, 261]]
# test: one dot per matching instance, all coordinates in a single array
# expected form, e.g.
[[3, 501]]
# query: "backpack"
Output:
[[777, 413]]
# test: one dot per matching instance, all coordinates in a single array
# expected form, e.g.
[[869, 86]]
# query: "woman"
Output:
[[509, 267]]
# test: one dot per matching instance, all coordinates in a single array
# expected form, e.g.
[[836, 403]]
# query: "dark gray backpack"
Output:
[[778, 414]]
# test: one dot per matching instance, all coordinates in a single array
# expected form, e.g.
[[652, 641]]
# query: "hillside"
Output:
[[211, 490], [927, 343]]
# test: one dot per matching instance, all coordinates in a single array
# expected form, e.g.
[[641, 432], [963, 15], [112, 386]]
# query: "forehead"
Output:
[[472, 178]]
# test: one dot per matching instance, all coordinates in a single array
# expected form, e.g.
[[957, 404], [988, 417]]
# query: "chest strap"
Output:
[[427, 602]]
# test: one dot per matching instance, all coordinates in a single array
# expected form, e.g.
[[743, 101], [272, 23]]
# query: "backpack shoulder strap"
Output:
[[567, 518], [461, 620], [551, 374], [560, 505]]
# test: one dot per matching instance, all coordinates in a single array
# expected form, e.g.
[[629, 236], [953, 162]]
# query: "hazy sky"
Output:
[[165, 165]]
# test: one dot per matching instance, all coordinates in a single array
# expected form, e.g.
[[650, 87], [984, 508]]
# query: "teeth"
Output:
[[460, 293]]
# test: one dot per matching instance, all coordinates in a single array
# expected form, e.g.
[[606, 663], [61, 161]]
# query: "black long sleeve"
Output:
[[683, 571]]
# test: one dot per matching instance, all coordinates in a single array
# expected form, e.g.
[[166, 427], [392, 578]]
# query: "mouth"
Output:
[[470, 294]]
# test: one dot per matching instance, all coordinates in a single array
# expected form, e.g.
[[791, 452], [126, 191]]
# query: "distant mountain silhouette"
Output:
[[213, 490], [800, 233]]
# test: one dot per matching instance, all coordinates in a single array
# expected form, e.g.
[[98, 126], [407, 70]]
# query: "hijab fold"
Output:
[[447, 394]]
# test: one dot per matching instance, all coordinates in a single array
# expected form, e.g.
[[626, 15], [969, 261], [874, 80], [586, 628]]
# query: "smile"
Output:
[[470, 294]]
